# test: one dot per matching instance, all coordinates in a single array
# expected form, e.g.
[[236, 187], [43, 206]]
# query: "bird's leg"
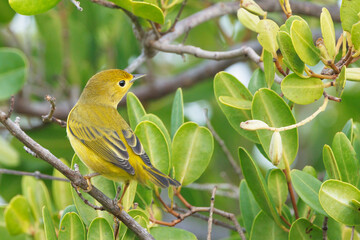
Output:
[[88, 180], [127, 183]]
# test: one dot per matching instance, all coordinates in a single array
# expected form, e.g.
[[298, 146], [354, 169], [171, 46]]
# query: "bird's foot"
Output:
[[88, 180]]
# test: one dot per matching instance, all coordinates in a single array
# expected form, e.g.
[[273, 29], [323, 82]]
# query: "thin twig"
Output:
[[136, 63], [77, 5], [352, 233], [222, 144], [285, 221], [292, 194], [100, 208], [212, 205], [11, 107], [158, 36], [183, 4], [325, 228], [31, 152], [223, 189], [332, 98], [49, 117], [35, 174]]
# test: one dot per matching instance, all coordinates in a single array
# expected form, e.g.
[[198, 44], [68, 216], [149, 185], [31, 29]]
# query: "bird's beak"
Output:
[[137, 76]]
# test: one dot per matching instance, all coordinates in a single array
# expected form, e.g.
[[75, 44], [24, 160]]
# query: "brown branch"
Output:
[[35, 174], [49, 117], [212, 206], [74, 177], [87, 202], [332, 98], [325, 228], [285, 221], [183, 4], [11, 107], [292, 194]]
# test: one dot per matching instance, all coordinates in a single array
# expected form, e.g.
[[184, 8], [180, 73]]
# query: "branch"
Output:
[[35, 174], [74, 177], [212, 205]]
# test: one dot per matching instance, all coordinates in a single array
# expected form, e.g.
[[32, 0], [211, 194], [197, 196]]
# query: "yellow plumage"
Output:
[[101, 137]]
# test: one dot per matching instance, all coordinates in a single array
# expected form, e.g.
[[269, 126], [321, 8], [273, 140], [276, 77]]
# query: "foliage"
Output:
[[263, 118]]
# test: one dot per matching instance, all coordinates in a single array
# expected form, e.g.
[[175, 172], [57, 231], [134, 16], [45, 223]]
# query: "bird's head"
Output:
[[108, 87]]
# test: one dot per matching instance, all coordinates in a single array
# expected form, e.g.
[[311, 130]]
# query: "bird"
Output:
[[103, 140]]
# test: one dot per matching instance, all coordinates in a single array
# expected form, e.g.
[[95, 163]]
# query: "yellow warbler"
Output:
[[101, 137]]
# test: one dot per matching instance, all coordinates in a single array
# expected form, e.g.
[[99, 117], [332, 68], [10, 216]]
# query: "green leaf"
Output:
[[349, 14], [192, 149], [355, 36], [291, 58], [287, 26], [135, 109], [270, 108], [257, 81], [9, 157], [144, 196], [129, 195], [177, 112], [310, 170], [32, 7], [258, 187], [353, 74], [302, 40], [17, 216], [142, 9], [159, 123], [6, 12], [340, 82], [155, 145], [264, 227], [105, 185], [13, 71], [303, 229], [269, 68], [71, 227], [307, 187], [252, 7], [330, 163], [348, 129], [328, 32], [100, 229], [37, 195], [347, 163], [268, 30], [277, 185], [302, 90], [235, 102], [336, 199], [248, 205], [166, 233], [48, 225], [248, 19], [65, 198], [227, 85]]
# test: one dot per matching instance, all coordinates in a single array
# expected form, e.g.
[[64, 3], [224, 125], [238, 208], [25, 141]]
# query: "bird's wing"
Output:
[[104, 142]]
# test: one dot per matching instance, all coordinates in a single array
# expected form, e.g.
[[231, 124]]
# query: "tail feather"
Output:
[[160, 179]]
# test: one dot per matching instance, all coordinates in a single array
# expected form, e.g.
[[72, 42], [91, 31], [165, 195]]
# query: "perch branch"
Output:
[[35, 174], [212, 206]]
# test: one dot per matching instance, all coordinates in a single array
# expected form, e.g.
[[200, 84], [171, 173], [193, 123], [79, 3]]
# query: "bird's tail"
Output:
[[158, 178]]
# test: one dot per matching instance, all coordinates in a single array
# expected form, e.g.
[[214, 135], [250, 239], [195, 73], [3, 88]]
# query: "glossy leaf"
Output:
[[291, 58], [227, 85], [9, 157], [64, 199], [302, 40], [328, 32], [13, 71], [135, 109], [6, 12], [248, 19], [340, 82], [268, 107], [159, 123], [100, 229], [269, 68], [353, 74], [289, 21], [17, 216], [348, 129], [235, 102], [248, 206], [145, 10], [355, 36], [166, 233], [258, 187], [177, 112], [310, 170], [155, 145], [307, 187], [303, 229], [192, 149], [336, 199], [32, 7], [302, 90], [330, 163], [129, 196], [264, 227], [268, 30], [48, 225], [105, 185], [71, 227], [277, 186], [349, 14], [346, 160], [37, 195], [257, 81]]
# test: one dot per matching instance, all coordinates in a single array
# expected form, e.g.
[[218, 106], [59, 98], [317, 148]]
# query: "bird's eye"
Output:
[[122, 83]]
